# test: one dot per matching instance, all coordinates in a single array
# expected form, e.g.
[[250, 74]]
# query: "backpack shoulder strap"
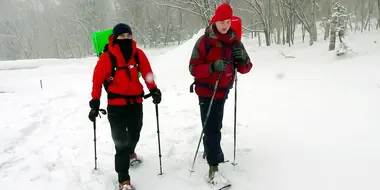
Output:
[[113, 65], [207, 50], [136, 57], [207, 45], [113, 61], [105, 48]]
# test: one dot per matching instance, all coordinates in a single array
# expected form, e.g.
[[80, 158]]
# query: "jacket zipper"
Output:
[[128, 73]]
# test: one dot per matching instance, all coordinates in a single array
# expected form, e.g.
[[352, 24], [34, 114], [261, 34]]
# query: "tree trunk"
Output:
[[311, 42], [269, 19], [313, 24], [362, 16], [180, 27], [278, 30], [167, 31], [267, 36], [259, 38], [370, 10], [280, 23], [350, 21], [55, 42], [253, 34], [289, 33], [327, 24], [303, 32], [293, 24], [378, 10], [332, 36], [341, 36], [283, 36]]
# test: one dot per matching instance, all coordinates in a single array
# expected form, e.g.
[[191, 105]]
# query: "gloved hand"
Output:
[[218, 66], [240, 55], [94, 112], [156, 95]]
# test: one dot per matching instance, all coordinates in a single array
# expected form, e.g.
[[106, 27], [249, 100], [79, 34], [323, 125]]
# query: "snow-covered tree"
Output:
[[339, 22], [62, 28]]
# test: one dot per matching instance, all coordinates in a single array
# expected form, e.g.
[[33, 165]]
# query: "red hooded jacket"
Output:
[[200, 63], [122, 84]]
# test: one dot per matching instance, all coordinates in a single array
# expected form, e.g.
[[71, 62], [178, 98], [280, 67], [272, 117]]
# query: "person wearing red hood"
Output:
[[125, 96], [214, 59]]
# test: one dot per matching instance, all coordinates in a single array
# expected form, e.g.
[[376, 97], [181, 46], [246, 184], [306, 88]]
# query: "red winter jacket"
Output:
[[121, 83], [200, 65]]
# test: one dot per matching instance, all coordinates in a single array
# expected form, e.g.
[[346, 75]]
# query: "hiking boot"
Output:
[[133, 156], [134, 160], [211, 172], [126, 185]]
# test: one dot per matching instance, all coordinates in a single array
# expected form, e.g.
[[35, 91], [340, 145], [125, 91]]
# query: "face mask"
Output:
[[125, 47], [124, 43]]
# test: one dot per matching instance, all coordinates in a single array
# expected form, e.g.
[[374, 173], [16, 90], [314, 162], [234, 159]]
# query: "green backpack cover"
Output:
[[100, 40]]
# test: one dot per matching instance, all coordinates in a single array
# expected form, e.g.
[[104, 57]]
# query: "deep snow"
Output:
[[311, 122]]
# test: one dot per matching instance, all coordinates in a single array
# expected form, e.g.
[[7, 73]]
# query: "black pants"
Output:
[[126, 123], [212, 131]]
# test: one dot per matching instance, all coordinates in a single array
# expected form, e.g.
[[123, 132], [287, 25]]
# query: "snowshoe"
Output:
[[216, 180], [134, 160], [126, 186]]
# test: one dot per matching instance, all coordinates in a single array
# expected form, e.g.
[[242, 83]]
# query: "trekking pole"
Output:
[[159, 141], [158, 133], [235, 119], [205, 121], [95, 144], [104, 112]]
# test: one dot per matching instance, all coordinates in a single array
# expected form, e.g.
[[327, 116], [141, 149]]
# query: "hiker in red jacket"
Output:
[[214, 58], [125, 96]]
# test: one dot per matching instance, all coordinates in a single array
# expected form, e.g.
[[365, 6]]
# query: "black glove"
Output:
[[240, 55], [218, 66], [94, 112], [156, 95]]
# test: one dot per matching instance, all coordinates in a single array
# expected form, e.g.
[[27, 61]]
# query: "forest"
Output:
[[35, 29]]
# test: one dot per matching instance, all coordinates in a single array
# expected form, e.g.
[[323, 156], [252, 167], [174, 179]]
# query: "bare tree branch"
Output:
[[177, 7]]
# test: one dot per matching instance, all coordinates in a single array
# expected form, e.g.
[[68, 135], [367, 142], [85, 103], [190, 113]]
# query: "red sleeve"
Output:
[[243, 69], [146, 70], [197, 67], [100, 74]]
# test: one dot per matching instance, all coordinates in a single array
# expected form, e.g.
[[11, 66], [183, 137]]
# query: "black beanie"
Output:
[[120, 29]]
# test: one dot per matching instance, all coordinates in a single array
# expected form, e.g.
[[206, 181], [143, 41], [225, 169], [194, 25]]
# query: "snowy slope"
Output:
[[305, 123]]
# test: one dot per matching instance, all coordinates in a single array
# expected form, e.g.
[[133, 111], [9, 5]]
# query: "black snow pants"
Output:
[[212, 131], [126, 123]]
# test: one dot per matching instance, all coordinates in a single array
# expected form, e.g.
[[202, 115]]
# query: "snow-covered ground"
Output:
[[307, 123]]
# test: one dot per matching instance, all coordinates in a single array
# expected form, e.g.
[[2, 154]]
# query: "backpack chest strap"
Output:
[[128, 98], [114, 66]]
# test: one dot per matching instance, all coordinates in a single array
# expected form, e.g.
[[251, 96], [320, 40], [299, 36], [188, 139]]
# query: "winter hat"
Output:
[[222, 12], [120, 29]]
